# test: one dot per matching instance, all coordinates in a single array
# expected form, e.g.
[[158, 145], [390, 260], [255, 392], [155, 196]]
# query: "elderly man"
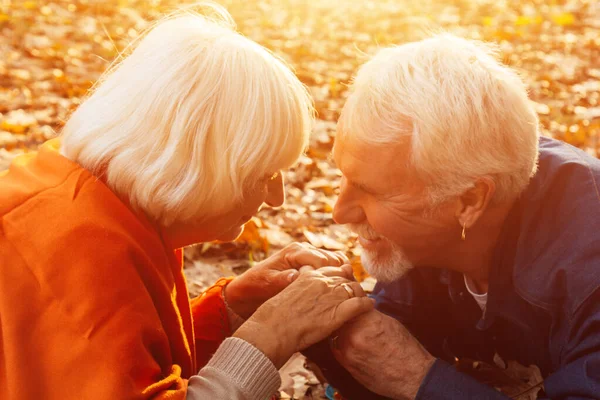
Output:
[[484, 237]]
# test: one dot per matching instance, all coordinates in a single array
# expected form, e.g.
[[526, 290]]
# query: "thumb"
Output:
[[352, 308], [286, 277], [347, 268]]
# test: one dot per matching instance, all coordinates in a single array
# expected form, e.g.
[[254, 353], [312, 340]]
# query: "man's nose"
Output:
[[347, 209], [275, 191]]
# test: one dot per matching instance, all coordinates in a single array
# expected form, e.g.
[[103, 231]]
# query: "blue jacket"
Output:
[[543, 299]]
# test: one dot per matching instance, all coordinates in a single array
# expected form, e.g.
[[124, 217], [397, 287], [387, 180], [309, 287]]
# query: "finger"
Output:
[[333, 258], [352, 308], [336, 258], [306, 256], [342, 256], [335, 271], [335, 282], [305, 268], [351, 289], [347, 268], [307, 246], [332, 281], [357, 288], [288, 276], [286, 257], [294, 246]]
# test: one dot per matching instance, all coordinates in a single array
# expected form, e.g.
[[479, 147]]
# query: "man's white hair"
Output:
[[191, 119], [466, 115]]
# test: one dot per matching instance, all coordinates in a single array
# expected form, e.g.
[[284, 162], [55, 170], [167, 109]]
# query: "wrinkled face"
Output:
[[229, 225], [268, 190], [386, 205]]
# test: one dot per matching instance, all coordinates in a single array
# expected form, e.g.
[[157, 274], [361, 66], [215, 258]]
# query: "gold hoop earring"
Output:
[[463, 235]]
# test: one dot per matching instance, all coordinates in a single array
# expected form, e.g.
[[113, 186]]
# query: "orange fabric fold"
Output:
[[92, 303], [211, 322]]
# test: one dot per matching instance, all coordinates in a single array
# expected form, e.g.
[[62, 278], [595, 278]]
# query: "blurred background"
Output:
[[51, 52]]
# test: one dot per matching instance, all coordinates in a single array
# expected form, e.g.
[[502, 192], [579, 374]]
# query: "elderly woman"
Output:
[[484, 236], [180, 143]]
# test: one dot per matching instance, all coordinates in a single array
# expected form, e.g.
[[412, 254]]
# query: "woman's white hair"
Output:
[[191, 119], [466, 115]]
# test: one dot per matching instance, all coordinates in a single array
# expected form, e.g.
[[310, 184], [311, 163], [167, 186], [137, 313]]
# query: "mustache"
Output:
[[364, 230]]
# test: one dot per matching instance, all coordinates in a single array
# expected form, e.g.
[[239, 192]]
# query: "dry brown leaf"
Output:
[[323, 241], [296, 379], [251, 235], [511, 378]]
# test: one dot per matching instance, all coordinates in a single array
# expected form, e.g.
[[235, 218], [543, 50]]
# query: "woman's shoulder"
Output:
[[77, 268], [54, 211]]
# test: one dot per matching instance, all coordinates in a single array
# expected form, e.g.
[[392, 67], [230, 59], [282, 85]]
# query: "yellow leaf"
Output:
[[334, 87], [523, 20], [252, 236], [487, 21], [575, 135], [17, 121], [564, 19], [59, 75], [312, 238], [205, 247], [30, 5], [503, 35], [359, 271], [8, 140]]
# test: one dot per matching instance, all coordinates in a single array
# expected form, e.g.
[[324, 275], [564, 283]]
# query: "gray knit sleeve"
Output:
[[237, 371]]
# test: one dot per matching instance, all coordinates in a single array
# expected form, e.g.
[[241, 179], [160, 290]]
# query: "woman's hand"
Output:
[[307, 311], [248, 291]]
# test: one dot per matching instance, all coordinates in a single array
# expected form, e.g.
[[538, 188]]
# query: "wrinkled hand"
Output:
[[248, 291], [382, 355], [305, 312]]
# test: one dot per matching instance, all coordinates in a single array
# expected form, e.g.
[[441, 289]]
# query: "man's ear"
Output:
[[475, 201]]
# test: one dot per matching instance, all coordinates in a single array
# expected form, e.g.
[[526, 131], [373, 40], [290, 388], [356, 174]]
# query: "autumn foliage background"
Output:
[[51, 52]]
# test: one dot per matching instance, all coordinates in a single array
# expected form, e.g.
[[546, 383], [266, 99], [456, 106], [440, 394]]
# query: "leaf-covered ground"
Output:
[[52, 51]]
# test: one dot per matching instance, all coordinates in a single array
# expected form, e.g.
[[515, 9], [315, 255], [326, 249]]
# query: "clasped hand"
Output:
[[264, 280], [308, 304], [382, 355]]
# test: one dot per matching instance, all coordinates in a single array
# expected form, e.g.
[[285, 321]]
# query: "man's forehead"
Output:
[[358, 159]]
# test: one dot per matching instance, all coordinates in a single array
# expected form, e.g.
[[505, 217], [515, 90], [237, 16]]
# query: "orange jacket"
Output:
[[92, 303]]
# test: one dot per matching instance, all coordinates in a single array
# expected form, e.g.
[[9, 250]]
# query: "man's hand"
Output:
[[305, 312], [382, 355], [266, 279]]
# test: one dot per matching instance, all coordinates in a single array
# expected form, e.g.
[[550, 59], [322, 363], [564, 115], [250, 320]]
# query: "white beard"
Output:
[[386, 268], [383, 267]]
